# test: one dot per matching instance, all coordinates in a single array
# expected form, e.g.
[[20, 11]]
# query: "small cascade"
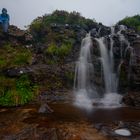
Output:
[[128, 51], [111, 55], [111, 49], [99, 30], [119, 67], [111, 98], [122, 39], [84, 75], [105, 63], [108, 64], [84, 66]]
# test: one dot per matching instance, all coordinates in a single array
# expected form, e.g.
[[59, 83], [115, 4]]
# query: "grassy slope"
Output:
[[133, 22]]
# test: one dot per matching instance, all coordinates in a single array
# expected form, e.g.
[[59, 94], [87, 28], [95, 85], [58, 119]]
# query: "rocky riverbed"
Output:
[[67, 122]]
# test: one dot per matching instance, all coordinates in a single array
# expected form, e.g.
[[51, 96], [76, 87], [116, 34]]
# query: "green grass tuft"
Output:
[[15, 92], [14, 56]]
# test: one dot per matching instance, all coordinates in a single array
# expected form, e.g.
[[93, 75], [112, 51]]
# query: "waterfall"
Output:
[[111, 49], [122, 39], [111, 98], [85, 92], [129, 50], [107, 62], [125, 50], [84, 75], [114, 79], [84, 67]]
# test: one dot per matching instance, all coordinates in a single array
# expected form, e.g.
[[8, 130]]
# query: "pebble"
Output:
[[123, 132]]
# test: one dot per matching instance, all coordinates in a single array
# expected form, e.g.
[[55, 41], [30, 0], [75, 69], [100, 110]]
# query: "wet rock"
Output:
[[94, 32], [44, 108], [28, 37], [15, 72], [132, 99], [15, 31], [21, 35], [103, 31], [134, 127]]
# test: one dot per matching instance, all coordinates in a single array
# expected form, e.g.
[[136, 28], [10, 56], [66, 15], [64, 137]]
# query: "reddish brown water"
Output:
[[68, 112], [67, 122]]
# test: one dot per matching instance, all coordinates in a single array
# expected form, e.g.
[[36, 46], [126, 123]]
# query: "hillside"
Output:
[[42, 58], [69, 78], [131, 22]]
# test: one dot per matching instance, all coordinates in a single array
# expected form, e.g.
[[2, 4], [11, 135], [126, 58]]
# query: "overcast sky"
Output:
[[22, 12]]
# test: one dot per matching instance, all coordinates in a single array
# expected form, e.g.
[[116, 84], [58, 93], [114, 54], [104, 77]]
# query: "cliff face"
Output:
[[126, 52], [126, 58], [48, 58]]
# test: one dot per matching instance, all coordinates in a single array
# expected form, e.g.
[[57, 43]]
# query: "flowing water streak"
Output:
[[99, 30], [108, 79], [111, 49], [130, 50], [125, 50], [122, 39], [111, 98], [84, 67], [84, 72]]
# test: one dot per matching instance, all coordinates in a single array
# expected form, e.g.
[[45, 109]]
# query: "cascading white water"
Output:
[[111, 49], [84, 72], [131, 58], [84, 67], [114, 78], [121, 38], [107, 62], [111, 98], [126, 49]]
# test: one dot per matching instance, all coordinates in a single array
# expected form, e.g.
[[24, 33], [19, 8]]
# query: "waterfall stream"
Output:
[[85, 91], [110, 98], [84, 67], [84, 74], [107, 62]]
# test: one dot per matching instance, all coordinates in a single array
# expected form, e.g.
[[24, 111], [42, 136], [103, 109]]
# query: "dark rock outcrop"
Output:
[[132, 99]]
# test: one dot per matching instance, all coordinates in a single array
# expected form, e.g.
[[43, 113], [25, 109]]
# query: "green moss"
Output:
[[15, 92], [22, 58], [57, 53], [64, 50], [70, 77], [14, 56], [133, 22]]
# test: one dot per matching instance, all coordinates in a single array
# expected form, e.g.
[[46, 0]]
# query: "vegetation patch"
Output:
[[15, 92], [63, 22], [58, 53], [14, 56], [133, 22]]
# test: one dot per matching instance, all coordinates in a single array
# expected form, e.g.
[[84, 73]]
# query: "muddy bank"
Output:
[[30, 125]]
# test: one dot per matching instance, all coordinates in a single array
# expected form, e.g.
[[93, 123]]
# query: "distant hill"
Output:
[[42, 25], [132, 22]]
